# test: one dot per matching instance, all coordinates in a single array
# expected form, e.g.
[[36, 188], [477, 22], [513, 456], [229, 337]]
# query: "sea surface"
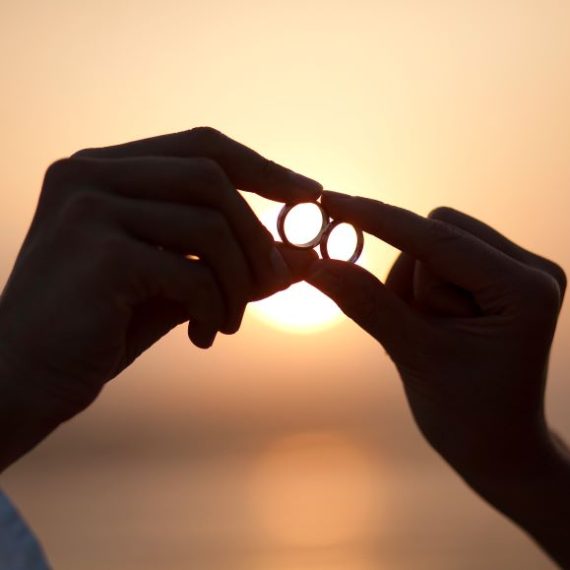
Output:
[[316, 500]]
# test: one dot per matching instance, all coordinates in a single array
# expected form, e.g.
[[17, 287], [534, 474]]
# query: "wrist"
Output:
[[533, 492], [26, 417]]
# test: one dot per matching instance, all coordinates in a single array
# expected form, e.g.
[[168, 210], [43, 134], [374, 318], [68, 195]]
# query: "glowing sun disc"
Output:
[[301, 309]]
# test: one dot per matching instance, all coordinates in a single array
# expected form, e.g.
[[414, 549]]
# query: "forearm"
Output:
[[536, 496]]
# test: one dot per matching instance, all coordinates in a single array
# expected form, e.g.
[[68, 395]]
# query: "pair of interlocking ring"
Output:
[[317, 235]]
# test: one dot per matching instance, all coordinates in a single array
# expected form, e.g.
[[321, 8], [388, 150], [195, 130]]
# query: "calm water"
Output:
[[318, 500]]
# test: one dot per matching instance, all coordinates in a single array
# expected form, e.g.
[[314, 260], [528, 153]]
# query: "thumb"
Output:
[[298, 263], [365, 299]]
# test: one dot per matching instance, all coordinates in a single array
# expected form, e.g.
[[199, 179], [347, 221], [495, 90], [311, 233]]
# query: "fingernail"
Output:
[[305, 183], [280, 267]]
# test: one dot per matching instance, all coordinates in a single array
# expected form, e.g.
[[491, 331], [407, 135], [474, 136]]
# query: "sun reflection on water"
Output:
[[313, 490]]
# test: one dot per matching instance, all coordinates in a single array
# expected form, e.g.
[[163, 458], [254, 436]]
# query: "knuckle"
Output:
[[212, 176], [549, 294], [84, 153], [83, 204], [204, 135], [542, 293], [58, 172], [557, 273], [443, 213], [209, 169], [442, 233], [59, 181]]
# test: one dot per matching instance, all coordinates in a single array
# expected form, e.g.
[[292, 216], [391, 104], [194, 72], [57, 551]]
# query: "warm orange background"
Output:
[[277, 451]]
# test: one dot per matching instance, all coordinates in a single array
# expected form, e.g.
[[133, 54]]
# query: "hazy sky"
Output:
[[416, 103], [421, 104]]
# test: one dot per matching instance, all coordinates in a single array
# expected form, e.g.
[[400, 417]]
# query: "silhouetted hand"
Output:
[[126, 243], [468, 318]]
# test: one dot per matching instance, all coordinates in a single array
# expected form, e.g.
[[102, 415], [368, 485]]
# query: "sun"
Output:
[[301, 309]]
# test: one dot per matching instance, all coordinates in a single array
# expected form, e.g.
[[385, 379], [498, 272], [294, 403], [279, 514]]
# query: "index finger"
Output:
[[246, 169], [451, 253]]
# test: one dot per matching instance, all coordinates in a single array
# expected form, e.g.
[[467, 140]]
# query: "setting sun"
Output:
[[300, 309]]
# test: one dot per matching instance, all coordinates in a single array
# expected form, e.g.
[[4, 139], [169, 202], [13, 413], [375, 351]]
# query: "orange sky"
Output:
[[421, 104]]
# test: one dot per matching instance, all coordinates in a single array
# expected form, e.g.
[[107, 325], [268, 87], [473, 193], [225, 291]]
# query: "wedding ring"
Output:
[[322, 236], [323, 246], [310, 244]]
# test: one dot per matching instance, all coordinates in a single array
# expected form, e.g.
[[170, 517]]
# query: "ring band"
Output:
[[325, 242], [311, 243], [322, 238]]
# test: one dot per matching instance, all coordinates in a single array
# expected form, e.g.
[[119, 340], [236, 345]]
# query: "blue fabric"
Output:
[[19, 549]]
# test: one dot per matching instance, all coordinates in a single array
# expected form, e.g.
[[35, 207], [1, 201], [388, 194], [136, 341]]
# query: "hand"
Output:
[[128, 242], [468, 318]]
